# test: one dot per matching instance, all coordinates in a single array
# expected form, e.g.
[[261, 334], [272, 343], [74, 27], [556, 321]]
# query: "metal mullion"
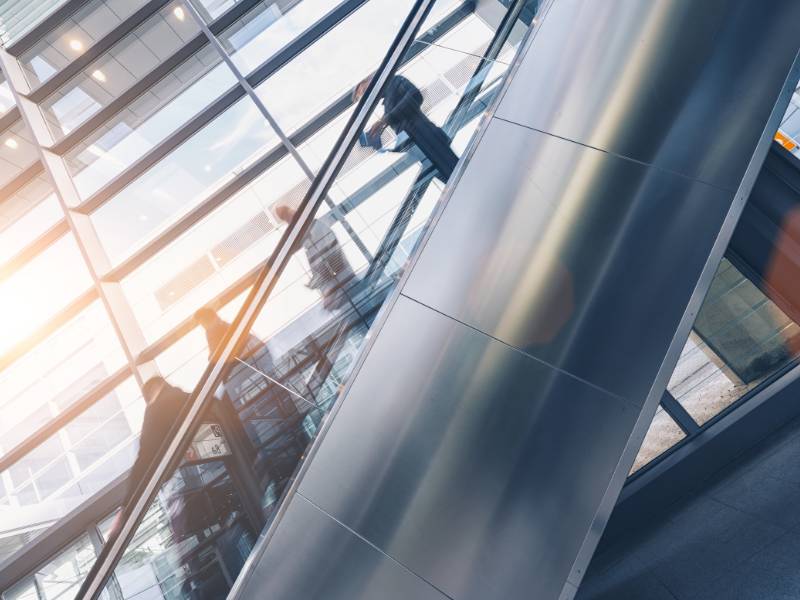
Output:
[[69, 312], [61, 534], [243, 282], [290, 147], [679, 414], [22, 178], [8, 119], [303, 134], [32, 250], [61, 14], [164, 68], [195, 215], [63, 418], [120, 314], [96, 50], [180, 434], [155, 155], [176, 333], [80, 133], [273, 64]]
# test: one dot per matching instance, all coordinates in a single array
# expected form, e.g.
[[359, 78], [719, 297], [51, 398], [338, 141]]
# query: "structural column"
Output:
[[482, 443]]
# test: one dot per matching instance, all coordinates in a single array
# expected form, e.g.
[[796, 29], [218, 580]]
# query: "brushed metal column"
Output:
[[480, 446]]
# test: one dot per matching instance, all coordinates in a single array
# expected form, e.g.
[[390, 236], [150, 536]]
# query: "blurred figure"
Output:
[[402, 111], [330, 270], [216, 328], [164, 402]]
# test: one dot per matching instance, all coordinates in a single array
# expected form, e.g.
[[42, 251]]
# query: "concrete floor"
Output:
[[738, 538]]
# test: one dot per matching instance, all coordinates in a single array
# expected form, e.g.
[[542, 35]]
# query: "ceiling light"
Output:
[[12, 143], [76, 45], [179, 14], [99, 75]]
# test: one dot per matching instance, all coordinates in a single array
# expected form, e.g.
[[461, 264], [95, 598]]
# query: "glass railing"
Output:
[[309, 315]]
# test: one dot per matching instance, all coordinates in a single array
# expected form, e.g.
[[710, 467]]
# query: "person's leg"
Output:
[[434, 144]]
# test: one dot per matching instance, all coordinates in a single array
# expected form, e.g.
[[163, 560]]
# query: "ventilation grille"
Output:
[[241, 239], [184, 282], [224, 252]]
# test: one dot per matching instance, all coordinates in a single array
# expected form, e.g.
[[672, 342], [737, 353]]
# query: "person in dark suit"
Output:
[[331, 273], [215, 329], [402, 111], [164, 402]]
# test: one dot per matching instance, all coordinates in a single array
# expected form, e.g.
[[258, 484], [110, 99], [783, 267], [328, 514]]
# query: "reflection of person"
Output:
[[330, 270], [164, 402], [216, 329], [402, 111]]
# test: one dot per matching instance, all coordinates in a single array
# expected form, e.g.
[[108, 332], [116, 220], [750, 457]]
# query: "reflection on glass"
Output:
[[115, 71], [26, 298], [26, 215], [59, 577], [305, 340], [73, 37], [62, 575], [148, 121], [269, 27], [57, 373], [739, 339], [334, 64], [216, 252], [184, 178], [79, 459], [196, 535], [662, 435]]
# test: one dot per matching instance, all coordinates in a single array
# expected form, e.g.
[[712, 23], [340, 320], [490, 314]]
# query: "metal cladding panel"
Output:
[[485, 437], [578, 257], [681, 84], [314, 558], [466, 460]]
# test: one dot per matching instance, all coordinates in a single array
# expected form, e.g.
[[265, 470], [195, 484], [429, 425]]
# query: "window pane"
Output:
[[26, 215], [662, 435], [214, 253], [183, 179], [334, 64], [6, 97], [25, 590], [122, 66], [739, 339], [17, 151], [56, 374], [61, 576], [75, 36], [148, 120], [269, 27], [213, 9], [27, 299], [75, 462]]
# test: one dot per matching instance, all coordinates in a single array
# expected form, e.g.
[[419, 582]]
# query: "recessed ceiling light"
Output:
[[179, 14], [99, 75], [11, 143], [76, 45], [143, 217]]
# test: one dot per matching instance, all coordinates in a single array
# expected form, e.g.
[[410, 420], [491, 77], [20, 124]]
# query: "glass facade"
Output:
[[177, 185]]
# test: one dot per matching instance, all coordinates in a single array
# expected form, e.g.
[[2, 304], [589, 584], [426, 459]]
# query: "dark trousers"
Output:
[[434, 144]]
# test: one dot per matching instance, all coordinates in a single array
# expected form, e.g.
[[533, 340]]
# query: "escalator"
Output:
[[187, 529]]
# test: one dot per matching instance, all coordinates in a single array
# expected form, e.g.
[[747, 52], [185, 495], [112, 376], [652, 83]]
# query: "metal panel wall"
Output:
[[487, 433]]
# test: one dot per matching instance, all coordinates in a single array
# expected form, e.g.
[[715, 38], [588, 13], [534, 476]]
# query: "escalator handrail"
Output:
[[169, 455]]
